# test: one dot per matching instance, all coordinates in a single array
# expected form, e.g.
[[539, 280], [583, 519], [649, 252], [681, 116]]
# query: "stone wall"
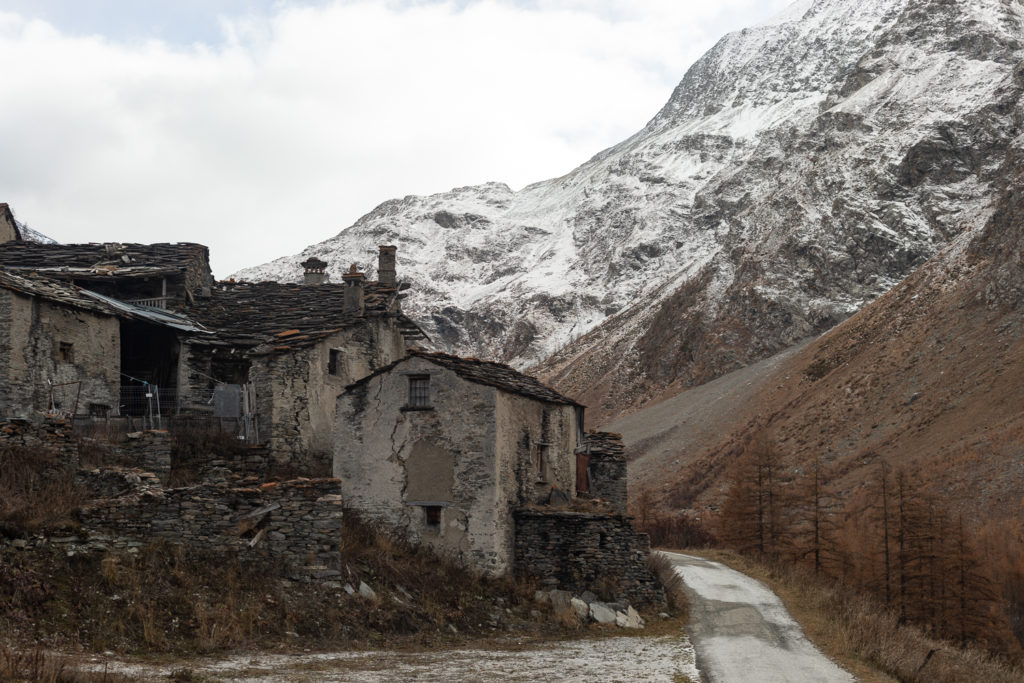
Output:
[[6, 349], [150, 451], [578, 551], [54, 436], [297, 522], [395, 463], [46, 342], [607, 468], [296, 395]]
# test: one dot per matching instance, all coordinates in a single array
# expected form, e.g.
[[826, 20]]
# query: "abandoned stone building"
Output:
[[156, 337], [471, 456], [61, 347]]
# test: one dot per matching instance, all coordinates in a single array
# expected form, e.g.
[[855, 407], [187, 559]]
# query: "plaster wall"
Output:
[[526, 429], [296, 395], [394, 462], [36, 328]]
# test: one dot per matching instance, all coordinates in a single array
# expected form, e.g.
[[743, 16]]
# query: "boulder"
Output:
[[560, 599], [366, 592], [582, 609], [601, 613]]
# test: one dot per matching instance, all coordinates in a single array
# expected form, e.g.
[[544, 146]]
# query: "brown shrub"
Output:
[[661, 566], [36, 492]]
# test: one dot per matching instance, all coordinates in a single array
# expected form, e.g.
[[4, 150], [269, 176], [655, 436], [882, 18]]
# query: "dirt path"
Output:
[[627, 659], [742, 632]]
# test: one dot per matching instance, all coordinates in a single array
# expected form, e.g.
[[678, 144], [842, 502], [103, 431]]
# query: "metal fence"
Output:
[[148, 402]]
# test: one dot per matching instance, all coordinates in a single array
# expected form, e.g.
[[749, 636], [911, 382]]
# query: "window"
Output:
[[419, 391], [334, 362], [432, 516], [66, 352]]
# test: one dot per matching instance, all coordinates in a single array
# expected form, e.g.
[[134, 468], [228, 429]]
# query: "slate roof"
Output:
[[485, 372], [101, 259], [278, 317], [83, 299], [52, 290], [606, 443]]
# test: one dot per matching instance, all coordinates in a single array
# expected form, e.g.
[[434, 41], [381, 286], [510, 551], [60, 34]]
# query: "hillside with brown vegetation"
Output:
[[925, 385]]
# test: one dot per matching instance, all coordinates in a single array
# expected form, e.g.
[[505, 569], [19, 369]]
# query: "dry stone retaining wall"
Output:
[[298, 522], [580, 551]]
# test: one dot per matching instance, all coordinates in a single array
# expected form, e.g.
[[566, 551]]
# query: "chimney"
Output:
[[386, 274], [353, 304], [315, 273]]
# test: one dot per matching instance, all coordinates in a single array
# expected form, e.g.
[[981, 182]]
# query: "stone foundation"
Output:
[[297, 522], [50, 435], [579, 551]]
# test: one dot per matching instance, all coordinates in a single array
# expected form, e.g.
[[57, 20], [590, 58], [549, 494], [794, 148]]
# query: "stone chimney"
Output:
[[316, 271], [8, 227], [386, 274], [353, 304]]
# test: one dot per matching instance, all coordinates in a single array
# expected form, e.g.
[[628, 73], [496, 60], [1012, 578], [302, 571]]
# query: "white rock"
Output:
[[366, 591], [582, 609], [560, 599], [601, 613]]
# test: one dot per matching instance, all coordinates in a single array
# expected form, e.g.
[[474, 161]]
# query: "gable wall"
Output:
[[388, 458], [296, 395], [35, 330]]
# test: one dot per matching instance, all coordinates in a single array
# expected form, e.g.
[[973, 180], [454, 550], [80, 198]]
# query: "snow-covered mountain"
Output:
[[800, 169]]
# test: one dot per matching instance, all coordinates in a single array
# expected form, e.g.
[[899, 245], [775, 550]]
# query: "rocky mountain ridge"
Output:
[[800, 169]]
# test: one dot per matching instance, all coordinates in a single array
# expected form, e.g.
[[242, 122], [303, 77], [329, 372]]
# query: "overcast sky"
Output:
[[258, 127]]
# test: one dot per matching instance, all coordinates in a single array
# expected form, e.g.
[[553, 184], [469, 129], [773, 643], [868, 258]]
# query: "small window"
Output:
[[432, 516], [334, 362], [66, 352], [419, 391]]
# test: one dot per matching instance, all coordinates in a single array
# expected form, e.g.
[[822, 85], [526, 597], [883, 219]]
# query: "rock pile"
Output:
[[588, 608]]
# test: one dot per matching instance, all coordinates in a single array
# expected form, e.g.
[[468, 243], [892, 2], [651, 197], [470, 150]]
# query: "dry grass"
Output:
[[662, 567], [166, 599], [36, 493], [41, 667], [863, 637]]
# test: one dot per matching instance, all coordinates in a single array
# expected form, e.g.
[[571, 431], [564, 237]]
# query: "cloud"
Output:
[[304, 118]]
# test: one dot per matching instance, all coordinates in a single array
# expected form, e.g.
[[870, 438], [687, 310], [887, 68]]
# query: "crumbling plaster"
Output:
[[375, 439], [296, 395], [523, 424], [35, 329]]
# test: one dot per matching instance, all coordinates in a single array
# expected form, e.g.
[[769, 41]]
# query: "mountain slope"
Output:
[[931, 374], [799, 170]]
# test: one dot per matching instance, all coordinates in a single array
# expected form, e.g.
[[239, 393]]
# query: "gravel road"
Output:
[[742, 632]]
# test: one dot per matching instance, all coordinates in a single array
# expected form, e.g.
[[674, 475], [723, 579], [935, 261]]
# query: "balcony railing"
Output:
[[154, 302]]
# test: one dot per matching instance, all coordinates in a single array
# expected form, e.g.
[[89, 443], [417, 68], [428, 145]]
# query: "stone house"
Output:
[[297, 347], [270, 356], [61, 346], [491, 468], [447, 447]]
